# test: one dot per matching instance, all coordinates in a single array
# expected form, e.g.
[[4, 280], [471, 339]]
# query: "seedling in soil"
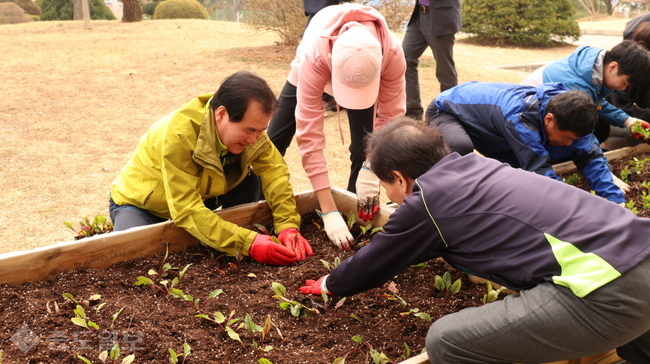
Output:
[[572, 179], [416, 312], [646, 185], [165, 285], [444, 283], [625, 174], [631, 206], [115, 316], [111, 357], [82, 320], [86, 302], [377, 357], [99, 225], [491, 294], [394, 297], [335, 263], [366, 231], [173, 356], [229, 324], [296, 308], [646, 200], [263, 330]]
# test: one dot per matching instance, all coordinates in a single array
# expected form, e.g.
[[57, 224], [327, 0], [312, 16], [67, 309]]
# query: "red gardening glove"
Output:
[[292, 239], [266, 249], [314, 287], [640, 136]]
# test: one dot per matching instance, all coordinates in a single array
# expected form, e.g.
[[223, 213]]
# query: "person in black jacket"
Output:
[[635, 99], [580, 263], [433, 24]]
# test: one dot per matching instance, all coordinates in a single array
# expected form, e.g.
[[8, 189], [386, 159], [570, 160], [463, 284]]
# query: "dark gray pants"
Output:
[[548, 323], [416, 40], [128, 216]]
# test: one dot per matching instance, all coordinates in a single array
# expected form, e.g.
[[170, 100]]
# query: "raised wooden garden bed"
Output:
[[102, 251]]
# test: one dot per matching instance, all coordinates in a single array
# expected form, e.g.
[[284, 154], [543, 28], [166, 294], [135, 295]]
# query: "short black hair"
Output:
[[404, 145], [574, 111], [238, 90], [633, 60]]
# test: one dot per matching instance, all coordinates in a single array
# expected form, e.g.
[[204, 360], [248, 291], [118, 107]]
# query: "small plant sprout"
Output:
[[173, 356], [229, 324], [165, 285], [416, 312], [645, 199], [294, 307], [630, 205], [444, 283], [377, 357], [646, 185], [82, 320], [335, 263], [264, 361], [491, 294], [263, 330], [572, 179], [105, 357], [407, 352], [624, 175], [99, 225], [115, 316], [86, 302], [394, 297]]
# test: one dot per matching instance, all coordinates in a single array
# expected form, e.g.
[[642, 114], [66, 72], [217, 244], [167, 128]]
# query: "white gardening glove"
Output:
[[622, 185], [367, 193], [337, 230]]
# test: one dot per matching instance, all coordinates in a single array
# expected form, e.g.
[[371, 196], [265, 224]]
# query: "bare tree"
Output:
[[132, 12], [77, 12], [590, 6]]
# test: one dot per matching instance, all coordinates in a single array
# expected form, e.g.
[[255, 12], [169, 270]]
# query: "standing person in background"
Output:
[[347, 51], [635, 99], [209, 154], [632, 25], [433, 24], [314, 6]]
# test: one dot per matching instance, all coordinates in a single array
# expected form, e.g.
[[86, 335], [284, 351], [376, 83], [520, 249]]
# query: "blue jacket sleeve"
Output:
[[612, 114], [592, 164], [527, 146]]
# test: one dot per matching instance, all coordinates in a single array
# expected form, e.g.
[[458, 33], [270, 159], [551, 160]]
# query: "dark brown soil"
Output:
[[37, 326], [636, 178]]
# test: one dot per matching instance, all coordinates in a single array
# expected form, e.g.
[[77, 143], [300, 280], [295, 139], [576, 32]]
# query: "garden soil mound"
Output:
[[37, 326]]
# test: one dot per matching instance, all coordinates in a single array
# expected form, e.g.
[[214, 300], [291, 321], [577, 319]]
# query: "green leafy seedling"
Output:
[[416, 312], [295, 308], [444, 283], [491, 294], [82, 320], [174, 356], [572, 179], [110, 357], [99, 225]]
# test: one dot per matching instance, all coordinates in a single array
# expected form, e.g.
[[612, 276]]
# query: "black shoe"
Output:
[[415, 113]]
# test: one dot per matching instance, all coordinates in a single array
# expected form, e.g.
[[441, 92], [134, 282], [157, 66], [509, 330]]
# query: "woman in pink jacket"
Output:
[[347, 51]]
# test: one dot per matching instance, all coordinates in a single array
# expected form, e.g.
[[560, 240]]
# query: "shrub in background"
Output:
[[11, 13], [180, 9], [284, 17], [62, 10], [29, 6], [150, 8], [520, 22]]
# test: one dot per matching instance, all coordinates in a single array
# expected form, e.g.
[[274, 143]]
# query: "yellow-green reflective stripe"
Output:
[[582, 272], [429, 212]]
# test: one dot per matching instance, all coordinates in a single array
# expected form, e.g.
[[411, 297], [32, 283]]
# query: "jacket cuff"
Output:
[[248, 241]]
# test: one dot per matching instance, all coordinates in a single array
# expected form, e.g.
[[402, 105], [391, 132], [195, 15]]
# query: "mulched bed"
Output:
[[37, 326], [636, 178]]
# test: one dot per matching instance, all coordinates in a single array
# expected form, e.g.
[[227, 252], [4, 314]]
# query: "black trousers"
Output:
[[282, 128]]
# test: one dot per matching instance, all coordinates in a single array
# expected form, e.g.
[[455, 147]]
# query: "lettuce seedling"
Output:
[[394, 297], [99, 225], [444, 283], [416, 312], [165, 285], [630, 205], [572, 179], [294, 307], [111, 357], [491, 294], [173, 356], [82, 320], [335, 263]]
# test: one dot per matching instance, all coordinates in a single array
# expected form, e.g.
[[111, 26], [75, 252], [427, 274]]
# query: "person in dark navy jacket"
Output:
[[580, 263], [527, 127]]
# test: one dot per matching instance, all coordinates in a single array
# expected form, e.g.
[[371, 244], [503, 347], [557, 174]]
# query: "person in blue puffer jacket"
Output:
[[527, 127]]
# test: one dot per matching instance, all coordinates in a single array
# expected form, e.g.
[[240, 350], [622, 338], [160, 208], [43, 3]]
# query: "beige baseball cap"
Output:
[[356, 68]]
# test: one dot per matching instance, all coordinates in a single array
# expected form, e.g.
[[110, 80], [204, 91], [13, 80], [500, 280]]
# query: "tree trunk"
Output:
[[77, 11], [132, 12]]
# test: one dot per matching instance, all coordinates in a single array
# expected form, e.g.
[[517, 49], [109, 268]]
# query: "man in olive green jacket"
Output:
[[203, 156]]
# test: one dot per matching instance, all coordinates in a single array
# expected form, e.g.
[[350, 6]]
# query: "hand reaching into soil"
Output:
[[266, 249], [292, 239], [337, 230], [315, 287]]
